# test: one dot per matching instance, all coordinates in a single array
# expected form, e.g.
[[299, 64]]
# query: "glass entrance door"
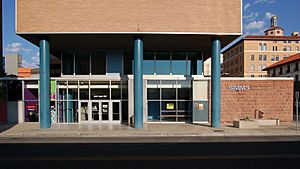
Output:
[[104, 113], [95, 111], [84, 111]]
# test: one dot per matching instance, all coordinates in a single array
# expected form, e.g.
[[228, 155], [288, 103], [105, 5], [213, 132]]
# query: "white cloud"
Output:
[[255, 25], [30, 58], [268, 15], [252, 16], [264, 1], [13, 47], [17, 47], [246, 6]]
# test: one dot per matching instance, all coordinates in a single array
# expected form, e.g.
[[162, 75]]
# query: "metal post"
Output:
[[44, 84], [138, 82], [215, 83]]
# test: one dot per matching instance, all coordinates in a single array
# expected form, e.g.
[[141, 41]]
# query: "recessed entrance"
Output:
[[100, 111]]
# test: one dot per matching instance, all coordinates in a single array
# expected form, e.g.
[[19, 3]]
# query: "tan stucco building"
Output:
[[251, 54]]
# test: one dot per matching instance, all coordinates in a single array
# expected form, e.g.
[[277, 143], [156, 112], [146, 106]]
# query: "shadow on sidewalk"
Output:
[[5, 126]]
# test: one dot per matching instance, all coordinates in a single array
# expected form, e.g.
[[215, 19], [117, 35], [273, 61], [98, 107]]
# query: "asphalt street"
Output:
[[246, 152]]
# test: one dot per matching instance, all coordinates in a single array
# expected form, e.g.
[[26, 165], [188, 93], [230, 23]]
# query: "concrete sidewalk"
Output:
[[151, 130]]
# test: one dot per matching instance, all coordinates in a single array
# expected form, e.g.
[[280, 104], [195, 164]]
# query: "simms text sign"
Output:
[[238, 88]]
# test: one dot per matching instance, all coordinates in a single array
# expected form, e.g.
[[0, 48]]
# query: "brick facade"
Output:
[[272, 97], [207, 16]]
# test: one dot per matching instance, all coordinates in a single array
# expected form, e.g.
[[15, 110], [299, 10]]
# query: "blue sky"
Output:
[[256, 18]]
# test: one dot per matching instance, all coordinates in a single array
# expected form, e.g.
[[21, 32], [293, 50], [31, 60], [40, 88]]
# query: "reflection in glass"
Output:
[[84, 111]]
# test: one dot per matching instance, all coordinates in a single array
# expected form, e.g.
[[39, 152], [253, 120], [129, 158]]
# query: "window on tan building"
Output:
[[277, 58], [260, 47], [252, 67], [265, 58], [284, 48], [297, 48], [260, 58], [252, 76], [289, 48], [252, 57], [272, 58], [264, 47]]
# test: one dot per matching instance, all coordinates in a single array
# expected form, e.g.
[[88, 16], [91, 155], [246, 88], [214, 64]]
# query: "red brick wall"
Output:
[[272, 97]]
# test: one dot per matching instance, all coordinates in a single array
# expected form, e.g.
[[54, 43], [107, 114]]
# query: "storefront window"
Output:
[[72, 90], [184, 90], [174, 103], [116, 90], [168, 110], [153, 110], [168, 90], [84, 90], [62, 89], [100, 90], [153, 90]]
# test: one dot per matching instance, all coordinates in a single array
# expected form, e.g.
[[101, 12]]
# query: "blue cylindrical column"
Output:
[[44, 84], [215, 83], [138, 82]]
